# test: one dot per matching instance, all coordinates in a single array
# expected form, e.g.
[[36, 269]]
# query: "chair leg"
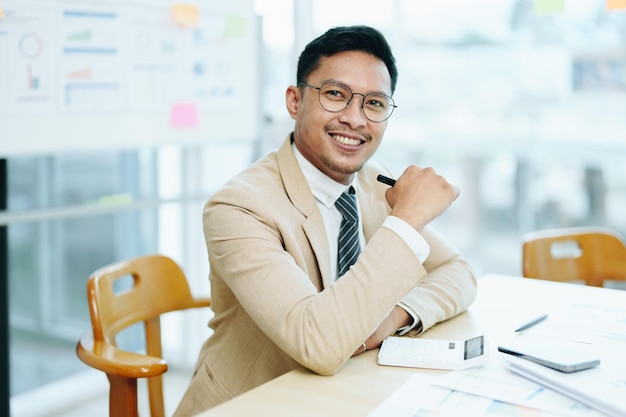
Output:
[[155, 389], [122, 397]]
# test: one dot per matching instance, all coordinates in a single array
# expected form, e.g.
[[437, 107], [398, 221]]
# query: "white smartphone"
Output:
[[432, 353], [564, 360]]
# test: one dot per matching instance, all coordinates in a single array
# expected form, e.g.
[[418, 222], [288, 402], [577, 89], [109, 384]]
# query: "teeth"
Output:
[[346, 141]]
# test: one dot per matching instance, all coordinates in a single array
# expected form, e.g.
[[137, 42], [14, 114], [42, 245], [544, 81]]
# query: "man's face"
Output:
[[339, 143]]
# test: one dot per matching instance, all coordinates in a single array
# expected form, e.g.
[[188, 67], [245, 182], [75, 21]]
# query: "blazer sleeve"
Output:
[[448, 288]]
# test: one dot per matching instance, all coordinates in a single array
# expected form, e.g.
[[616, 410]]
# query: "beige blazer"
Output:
[[276, 306]]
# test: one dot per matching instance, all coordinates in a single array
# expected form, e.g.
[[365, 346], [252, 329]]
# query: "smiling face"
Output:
[[339, 143]]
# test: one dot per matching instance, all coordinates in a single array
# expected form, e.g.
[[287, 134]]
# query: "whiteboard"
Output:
[[106, 74]]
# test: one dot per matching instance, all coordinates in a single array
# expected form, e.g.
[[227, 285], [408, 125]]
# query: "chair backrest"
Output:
[[589, 254], [157, 285]]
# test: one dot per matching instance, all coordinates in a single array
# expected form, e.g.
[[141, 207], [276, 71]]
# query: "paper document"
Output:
[[495, 381], [602, 388], [417, 398], [599, 324]]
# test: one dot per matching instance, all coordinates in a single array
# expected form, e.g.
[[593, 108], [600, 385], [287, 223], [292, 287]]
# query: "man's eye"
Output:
[[376, 104], [335, 94]]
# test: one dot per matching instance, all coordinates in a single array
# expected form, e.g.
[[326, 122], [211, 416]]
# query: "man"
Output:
[[272, 235]]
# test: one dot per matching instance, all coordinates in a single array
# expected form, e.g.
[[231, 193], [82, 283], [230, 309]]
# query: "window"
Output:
[[523, 111], [71, 214]]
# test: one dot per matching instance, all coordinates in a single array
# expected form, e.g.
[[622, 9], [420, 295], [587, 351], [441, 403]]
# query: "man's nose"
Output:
[[353, 114]]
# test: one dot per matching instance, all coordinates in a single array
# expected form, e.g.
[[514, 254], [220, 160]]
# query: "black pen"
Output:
[[531, 323], [386, 180]]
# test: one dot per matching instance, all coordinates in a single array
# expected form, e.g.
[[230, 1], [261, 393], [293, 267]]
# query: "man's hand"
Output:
[[420, 196], [397, 318]]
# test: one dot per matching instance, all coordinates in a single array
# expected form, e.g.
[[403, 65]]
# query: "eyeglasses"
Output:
[[335, 97]]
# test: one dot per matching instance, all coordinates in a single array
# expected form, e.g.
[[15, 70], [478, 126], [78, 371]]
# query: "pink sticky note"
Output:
[[184, 115], [615, 4]]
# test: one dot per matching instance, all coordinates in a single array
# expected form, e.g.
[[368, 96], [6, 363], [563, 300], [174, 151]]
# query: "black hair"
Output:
[[343, 39]]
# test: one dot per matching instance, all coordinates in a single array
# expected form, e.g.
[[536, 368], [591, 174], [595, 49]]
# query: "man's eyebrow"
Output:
[[341, 83]]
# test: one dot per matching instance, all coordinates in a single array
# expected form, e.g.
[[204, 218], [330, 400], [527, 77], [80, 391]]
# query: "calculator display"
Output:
[[474, 347]]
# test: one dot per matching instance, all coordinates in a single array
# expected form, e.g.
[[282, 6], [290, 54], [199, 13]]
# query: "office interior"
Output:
[[523, 109]]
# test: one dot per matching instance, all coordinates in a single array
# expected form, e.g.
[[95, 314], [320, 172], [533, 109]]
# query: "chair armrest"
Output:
[[111, 360], [201, 302]]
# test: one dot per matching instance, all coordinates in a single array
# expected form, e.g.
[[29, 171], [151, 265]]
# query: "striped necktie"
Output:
[[348, 243]]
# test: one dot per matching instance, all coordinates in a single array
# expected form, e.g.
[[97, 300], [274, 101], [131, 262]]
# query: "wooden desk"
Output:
[[361, 385]]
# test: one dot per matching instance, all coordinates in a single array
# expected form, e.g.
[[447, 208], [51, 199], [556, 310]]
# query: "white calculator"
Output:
[[431, 353]]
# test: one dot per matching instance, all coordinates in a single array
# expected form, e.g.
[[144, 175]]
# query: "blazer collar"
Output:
[[293, 180]]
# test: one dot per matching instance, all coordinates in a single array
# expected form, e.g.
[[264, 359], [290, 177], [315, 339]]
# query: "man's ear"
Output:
[[292, 100]]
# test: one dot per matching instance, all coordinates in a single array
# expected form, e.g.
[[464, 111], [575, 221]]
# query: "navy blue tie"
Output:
[[348, 242]]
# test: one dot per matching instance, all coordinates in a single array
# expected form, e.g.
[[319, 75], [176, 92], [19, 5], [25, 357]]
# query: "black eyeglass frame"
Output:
[[392, 104]]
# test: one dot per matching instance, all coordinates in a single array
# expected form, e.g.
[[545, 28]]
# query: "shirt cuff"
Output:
[[411, 237], [415, 324]]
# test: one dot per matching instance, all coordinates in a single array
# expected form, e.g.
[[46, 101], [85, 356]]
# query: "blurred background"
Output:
[[524, 110]]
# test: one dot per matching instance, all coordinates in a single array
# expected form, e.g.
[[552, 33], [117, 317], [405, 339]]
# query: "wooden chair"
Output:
[[590, 254], [158, 286]]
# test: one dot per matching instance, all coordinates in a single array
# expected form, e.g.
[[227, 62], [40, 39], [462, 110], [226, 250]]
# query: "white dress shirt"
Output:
[[326, 191]]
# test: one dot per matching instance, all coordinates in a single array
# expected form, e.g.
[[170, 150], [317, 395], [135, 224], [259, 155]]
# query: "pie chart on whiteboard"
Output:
[[30, 45]]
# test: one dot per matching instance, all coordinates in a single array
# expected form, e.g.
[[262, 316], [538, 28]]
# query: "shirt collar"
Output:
[[325, 189]]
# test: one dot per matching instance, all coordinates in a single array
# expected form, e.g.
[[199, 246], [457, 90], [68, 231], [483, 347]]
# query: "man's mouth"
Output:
[[346, 140]]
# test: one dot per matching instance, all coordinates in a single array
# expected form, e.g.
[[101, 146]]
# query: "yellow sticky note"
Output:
[[185, 15], [1, 10], [615, 4], [549, 6]]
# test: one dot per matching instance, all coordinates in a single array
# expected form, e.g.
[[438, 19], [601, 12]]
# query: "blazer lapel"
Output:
[[300, 195]]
